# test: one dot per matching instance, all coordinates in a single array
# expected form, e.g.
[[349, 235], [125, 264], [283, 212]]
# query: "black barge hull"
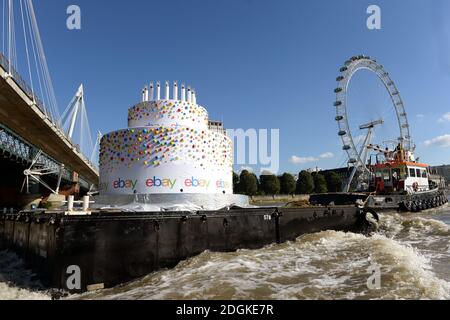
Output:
[[113, 248]]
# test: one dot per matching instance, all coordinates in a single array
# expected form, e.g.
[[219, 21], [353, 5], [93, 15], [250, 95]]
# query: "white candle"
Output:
[[183, 92], [152, 91], [194, 97], [175, 91], [158, 91], [189, 95], [167, 91]]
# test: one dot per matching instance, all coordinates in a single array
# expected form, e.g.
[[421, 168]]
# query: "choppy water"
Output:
[[413, 253]]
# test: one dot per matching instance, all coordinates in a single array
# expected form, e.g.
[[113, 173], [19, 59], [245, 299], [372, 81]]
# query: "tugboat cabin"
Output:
[[399, 173]]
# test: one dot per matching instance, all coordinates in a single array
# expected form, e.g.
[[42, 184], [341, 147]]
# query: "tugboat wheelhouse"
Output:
[[399, 173]]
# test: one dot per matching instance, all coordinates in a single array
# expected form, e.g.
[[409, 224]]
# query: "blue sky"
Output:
[[259, 64]]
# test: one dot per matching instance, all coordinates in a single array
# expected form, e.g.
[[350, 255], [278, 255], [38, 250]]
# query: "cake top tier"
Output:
[[168, 113], [174, 107], [155, 92]]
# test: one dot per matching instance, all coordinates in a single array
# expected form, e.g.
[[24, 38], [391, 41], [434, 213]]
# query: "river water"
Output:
[[412, 253]]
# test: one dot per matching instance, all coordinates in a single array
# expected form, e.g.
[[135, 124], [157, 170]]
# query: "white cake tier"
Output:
[[168, 113], [156, 159]]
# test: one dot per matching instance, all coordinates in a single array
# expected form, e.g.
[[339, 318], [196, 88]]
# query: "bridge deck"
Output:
[[20, 114]]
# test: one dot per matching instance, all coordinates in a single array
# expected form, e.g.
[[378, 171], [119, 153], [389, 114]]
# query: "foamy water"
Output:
[[412, 251], [18, 283]]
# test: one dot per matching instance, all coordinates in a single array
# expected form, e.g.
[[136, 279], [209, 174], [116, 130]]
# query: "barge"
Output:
[[109, 248]]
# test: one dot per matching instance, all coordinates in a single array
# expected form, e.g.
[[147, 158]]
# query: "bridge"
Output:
[[31, 131]]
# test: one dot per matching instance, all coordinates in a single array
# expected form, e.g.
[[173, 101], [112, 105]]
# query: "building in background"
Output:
[[343, 173], [443, 171], [216, 126]]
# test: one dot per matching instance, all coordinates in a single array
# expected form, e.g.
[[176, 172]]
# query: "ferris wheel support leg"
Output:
[[350, 179], [363, 154]]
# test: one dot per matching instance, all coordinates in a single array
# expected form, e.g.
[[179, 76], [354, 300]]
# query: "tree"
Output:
[[320, 183], [305, 183], [248, 183], [287, 184], [235, 182], [334, 182], [258, 183], [270, 184]]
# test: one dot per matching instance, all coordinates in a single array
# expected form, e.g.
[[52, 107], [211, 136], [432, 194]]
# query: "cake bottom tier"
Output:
[[163, 160], [166, 179]]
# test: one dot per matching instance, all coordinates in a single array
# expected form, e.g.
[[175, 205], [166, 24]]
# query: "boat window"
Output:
[[418, 173], [412, 173], [424, 174]]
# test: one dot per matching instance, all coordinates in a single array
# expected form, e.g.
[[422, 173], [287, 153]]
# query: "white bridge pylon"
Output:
[[75, 124]]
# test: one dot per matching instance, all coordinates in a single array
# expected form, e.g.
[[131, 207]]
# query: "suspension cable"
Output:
[[39, 67], [13, 38], [34, 54], [10, 9], [3, 26], [26, 46], [43, 63]]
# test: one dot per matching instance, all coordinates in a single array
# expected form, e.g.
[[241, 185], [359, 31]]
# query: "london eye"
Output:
[[358, 156]]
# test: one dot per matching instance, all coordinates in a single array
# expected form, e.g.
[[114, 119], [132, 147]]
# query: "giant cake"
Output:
[[168, 148]]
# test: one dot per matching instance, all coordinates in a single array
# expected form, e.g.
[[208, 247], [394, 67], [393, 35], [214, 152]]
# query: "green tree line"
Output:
[[248, 183]]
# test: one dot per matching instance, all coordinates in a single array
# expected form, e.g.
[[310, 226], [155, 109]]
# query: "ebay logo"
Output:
[[166, 183], [197, 183], [160, 183], [125, 184]]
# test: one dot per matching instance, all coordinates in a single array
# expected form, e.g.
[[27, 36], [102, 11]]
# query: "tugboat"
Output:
[[394, 180], [399, 181]]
